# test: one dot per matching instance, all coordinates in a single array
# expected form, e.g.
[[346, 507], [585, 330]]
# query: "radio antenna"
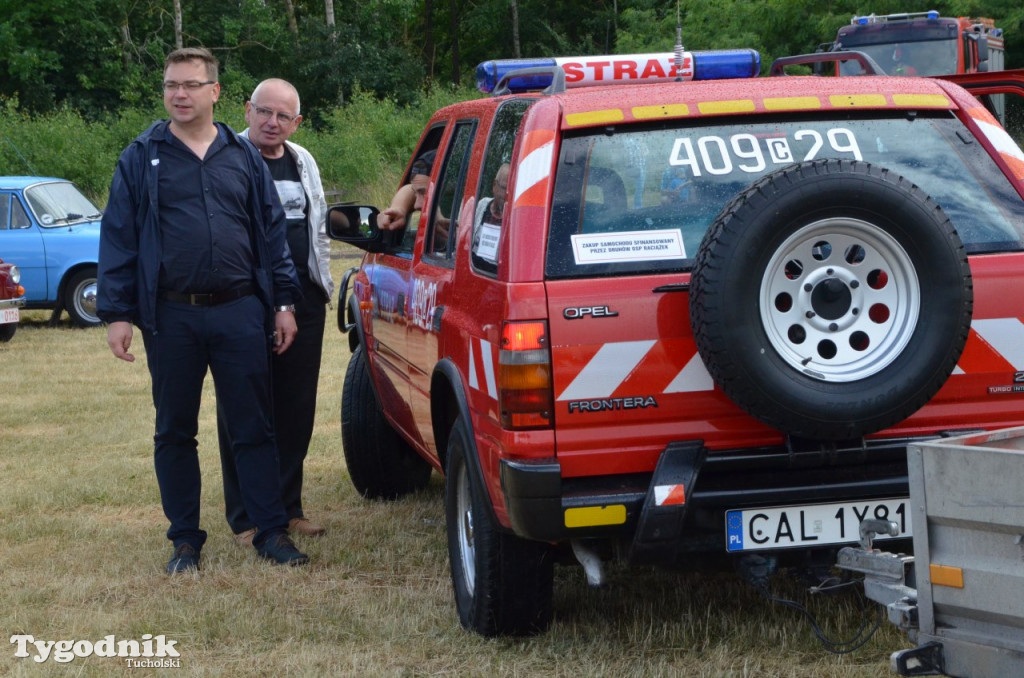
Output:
[[679, 44]]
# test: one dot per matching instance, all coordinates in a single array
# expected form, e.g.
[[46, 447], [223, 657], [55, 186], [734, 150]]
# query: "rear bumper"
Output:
[[544, 506]]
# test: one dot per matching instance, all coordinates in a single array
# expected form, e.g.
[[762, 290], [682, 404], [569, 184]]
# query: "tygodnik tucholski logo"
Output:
[[150, 652]]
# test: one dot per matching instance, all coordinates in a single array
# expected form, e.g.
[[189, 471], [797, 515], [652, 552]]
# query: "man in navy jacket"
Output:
[[193, 252]]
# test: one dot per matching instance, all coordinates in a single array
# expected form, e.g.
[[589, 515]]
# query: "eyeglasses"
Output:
[[190, 85], [267, 114]]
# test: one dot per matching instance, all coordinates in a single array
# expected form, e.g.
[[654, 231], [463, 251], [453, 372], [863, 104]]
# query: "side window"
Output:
[[19, 217], [5, 204], [402, 241], [493, 190], [447, 199]]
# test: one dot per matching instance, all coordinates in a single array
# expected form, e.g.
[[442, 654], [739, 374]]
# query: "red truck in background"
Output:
[[921, 43]]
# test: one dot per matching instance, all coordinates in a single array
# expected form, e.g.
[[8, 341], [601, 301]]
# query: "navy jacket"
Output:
[[129, 262]]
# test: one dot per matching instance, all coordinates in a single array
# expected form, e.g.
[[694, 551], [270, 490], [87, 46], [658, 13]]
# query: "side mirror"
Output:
[[982, 52], [355, 225]]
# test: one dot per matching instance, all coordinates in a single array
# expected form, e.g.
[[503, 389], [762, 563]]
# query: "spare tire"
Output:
[[831, 299]]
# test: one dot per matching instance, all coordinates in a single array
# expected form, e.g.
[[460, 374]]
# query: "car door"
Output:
[[21, 243], [433, 269], [391, 292]]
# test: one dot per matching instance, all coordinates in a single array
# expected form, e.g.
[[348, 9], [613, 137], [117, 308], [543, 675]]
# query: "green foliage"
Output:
[[364, 147], [60, 144], [79, 79], [98, 56]]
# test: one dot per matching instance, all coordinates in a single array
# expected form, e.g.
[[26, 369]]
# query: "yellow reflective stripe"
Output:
[[590, 516], [792, 103], [856, 100], [921, 100], [946, 575], [595, 117], [666, 111], [718, 107]]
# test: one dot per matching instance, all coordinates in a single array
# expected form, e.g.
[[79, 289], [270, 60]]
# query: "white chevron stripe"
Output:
[[534, 168], [1006, 336], [606, 370], [488, 357], [1002, 141], [473, 381], [693, 377]]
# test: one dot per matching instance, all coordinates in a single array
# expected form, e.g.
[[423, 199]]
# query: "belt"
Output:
[[207, 298]]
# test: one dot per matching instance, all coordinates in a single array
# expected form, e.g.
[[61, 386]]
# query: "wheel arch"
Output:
[[70, 273], [448, 402]]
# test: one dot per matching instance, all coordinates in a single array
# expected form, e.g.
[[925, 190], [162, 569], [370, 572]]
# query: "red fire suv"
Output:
[[657, 308]]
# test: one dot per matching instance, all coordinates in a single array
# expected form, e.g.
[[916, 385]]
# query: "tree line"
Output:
[[101, 56]]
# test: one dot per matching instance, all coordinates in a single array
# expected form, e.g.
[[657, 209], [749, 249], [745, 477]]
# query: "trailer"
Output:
[[960, 597]]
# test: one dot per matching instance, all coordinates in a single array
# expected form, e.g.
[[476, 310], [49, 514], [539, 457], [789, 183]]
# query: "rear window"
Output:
[[635, 200]]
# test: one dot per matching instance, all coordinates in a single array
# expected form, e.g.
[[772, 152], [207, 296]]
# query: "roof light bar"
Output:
[[617, 69], [864, 20]]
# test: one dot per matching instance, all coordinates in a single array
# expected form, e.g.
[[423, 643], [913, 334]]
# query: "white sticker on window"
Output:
[[487, 247], [605, 248]]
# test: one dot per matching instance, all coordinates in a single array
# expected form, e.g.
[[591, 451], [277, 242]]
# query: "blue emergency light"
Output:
[[618, 69], [874, 19]]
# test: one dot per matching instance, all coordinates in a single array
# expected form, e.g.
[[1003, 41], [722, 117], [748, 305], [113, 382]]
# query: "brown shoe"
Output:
[[244, 538], [305, 527]]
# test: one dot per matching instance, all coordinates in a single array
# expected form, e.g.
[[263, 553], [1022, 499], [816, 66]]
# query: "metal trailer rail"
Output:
[[961, 596]]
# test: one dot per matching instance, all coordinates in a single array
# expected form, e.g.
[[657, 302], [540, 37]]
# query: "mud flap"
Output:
[[660, 526]]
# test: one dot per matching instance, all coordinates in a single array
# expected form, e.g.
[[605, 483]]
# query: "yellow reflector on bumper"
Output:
[[591, 516]]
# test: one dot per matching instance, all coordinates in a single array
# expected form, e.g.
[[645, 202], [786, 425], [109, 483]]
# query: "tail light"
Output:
[[524, 376]]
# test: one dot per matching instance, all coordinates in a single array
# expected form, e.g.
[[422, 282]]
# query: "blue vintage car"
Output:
[[52, 231]]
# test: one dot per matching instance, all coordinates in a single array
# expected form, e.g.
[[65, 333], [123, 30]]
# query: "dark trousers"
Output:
[[296, 373], [231, 341]]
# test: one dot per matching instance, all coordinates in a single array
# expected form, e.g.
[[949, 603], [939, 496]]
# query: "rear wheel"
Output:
[[7, 331], [380, 463], [502, 583], [80, 298]]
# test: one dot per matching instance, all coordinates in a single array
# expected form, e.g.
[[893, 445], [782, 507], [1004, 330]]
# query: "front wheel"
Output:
[[80, 298], [502, 583], [380, 463]]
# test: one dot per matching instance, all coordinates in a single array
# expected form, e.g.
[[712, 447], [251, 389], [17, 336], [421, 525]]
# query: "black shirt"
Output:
[[204, 217], [293, 199]]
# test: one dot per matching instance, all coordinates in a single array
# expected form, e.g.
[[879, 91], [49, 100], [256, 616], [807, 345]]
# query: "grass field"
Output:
[[82, 552]]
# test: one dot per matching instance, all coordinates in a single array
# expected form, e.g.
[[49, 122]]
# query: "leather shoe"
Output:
[[185, 558], [305, 527], [281, 549], [244, 538]]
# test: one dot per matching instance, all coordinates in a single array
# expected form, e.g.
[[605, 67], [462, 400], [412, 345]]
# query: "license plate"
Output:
[[781, 527], [9, 315]]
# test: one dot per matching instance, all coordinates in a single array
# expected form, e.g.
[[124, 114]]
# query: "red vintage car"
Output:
[[12, 298]]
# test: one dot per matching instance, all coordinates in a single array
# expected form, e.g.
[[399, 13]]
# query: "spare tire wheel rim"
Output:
[[840, 299]]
